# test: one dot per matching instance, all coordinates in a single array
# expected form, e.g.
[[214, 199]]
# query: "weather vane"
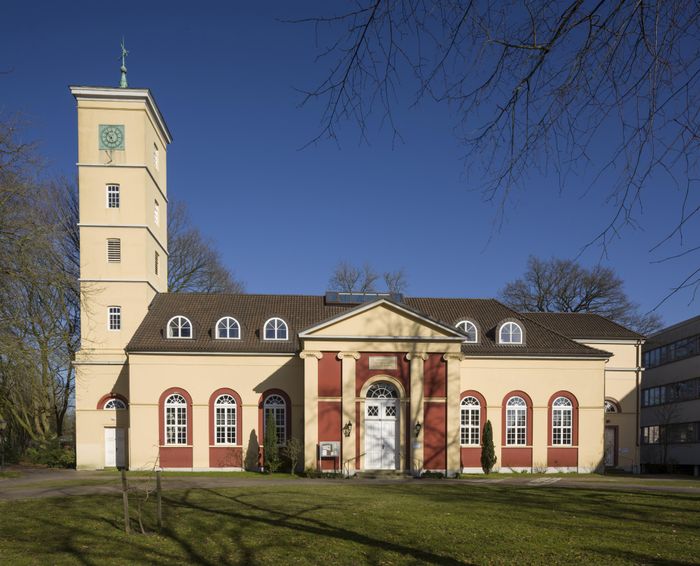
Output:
[[122, 82]]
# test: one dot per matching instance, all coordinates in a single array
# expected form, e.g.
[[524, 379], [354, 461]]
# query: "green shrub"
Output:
[[50, 453], [270, 446], [488, 451], [432, 475]]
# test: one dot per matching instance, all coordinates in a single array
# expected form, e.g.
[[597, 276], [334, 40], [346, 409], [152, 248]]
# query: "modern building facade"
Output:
[[670, 400], [363, 382]]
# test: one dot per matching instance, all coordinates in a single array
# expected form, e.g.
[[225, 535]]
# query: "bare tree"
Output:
[[353, 279], [533, 85], [396, 281], [562, 285], [194, 263]]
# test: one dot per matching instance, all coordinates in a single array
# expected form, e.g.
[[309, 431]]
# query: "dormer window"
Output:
[[179, 327], [510, 333], [228, 328], [275, 329], [469, 328]]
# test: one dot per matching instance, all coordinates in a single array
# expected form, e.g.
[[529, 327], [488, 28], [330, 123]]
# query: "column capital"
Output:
[[311, 354], [417, 356], [453, 357], [355, 355]]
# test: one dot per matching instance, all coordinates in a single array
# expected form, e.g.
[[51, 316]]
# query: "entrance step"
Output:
[[383, 475]]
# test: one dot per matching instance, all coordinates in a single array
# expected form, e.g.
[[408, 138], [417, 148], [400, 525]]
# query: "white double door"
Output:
[[114, 447], [381, 434]]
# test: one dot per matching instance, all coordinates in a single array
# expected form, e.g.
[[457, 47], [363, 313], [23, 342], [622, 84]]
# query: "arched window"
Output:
[[228, 328], [275, 329], [114, 403], [175, 419], [510, 333], [562, 421], [516, 422], [469, 328], [179, 327], [610, 406], [382, 391], [470, 421], [276, 406], [225, 415]]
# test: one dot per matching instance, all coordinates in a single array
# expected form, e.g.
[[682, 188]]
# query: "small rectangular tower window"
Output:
[[156, 157], [156, 212], [114, 250], [157, 262], [115, 318], [112, 196]]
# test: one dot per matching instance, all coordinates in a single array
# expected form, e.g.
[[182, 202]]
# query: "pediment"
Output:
[[382, 319]]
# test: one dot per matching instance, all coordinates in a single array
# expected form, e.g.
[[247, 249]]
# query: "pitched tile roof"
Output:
[[583, 325], [303, 311]]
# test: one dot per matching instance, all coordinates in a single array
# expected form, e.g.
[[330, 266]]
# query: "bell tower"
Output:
[[122, 167]]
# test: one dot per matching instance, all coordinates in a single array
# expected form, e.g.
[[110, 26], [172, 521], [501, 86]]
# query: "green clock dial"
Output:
[[111, 136]]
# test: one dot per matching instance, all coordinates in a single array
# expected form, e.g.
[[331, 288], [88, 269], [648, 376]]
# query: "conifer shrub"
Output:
[[488, 451]]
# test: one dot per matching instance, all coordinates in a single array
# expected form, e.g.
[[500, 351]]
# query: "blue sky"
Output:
[[224, 76]]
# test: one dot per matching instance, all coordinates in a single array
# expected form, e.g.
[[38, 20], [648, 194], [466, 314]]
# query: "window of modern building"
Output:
[[510, 333], [156, 212], [469, 328], [675, 392], [114, 250], [175, 419], [678, 350], [276, 406], [562, 421], [179, 327], [225, 415], [275, 329], [228, 328], [113, 196], [114, 318], [675, 433], [114, 403], [516, 422], [470, 421]]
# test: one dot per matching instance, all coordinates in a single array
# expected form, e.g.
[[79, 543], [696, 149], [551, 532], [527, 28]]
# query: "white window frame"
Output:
[[510, 325], [278, 325], [116, 404], [114, 318], [516, 407], [115, 257], [110, 193], [175, 405], [156, 157], [180, 321], [226, 428], [470, 421], [562, 422], [278, 406], [611, 406], [228, 319], [464, 325]]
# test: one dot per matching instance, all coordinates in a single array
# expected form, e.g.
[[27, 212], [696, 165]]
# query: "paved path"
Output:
[[35, 484]]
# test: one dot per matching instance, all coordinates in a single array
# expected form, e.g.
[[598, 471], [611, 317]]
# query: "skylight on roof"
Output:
[[345, 298]]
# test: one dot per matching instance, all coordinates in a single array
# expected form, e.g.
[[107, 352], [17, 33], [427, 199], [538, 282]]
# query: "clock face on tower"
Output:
[[111, 136]]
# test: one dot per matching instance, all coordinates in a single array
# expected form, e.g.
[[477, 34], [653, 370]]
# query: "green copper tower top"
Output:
[[122, 82]]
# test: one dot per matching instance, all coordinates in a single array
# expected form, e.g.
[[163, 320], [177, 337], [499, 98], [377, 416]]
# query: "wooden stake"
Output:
[[159, 509], [125, 499]]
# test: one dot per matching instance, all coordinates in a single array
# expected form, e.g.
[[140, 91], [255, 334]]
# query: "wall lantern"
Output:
[[347, 429], [417, 428]]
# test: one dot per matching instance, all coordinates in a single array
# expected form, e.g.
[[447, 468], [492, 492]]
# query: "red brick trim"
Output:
[[212, 416], [574, 418], [528, 424], [261, 413], [105, 398]]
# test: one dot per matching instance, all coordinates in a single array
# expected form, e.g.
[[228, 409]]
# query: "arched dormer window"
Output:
[[275, 329], [510, 333], [179, 327], [227, 328], [469, 328]]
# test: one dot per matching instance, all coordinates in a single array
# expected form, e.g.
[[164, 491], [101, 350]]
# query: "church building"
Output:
[[365, 382]]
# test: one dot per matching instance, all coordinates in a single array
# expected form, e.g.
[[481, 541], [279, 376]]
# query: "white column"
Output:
[[349, 413], [453, 386], [416, 409], [310, 407]]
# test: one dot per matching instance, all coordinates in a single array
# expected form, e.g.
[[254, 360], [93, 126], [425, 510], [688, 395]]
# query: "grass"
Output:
[[7, 474], [350, 523]]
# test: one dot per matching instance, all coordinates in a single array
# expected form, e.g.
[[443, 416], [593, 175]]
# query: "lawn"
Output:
[[346, 522]]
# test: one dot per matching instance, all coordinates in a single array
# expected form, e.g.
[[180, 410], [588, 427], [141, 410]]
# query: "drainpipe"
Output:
[[638, 375]]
